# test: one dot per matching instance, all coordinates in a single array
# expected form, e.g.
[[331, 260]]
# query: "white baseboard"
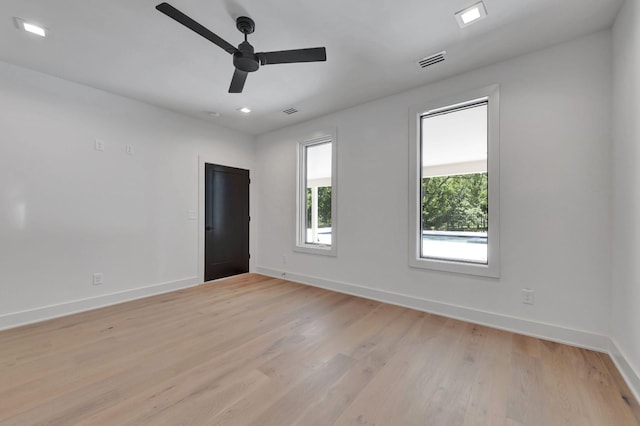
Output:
[[579, 338], [555, 333], [17, 319], [630, 374]]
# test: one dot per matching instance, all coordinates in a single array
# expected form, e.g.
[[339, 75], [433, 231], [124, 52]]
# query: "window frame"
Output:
[[492, 267], [301, 196]]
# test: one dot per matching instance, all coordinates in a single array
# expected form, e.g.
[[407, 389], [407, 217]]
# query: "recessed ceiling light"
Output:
[[244, 110], [471, 14], [30, 27]]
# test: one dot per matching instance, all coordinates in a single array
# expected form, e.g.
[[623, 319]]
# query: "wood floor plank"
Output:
[[257, 350], [218, 370], [490, 389], [526, 400], [292, 367], [83, 331], [143, 372], [294, 402], [563, 401], [399, 392]]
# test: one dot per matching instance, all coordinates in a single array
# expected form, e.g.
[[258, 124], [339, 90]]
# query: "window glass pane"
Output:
[[318, 194], [454, 185]]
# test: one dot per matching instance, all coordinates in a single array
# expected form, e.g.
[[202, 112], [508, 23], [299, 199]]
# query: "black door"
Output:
[[226, 241]]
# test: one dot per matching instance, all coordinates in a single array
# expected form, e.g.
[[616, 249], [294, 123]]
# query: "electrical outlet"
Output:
[[99, 145], [192, 215], [98, 278], [284, 259], [129, 149], [527, 296]]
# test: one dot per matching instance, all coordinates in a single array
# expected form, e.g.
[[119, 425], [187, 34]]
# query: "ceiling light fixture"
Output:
[[30, 27], [244, 110], [471, 14]]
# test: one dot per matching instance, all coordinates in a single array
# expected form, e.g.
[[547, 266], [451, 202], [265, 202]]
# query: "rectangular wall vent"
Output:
[[290, 111], [431, 60]]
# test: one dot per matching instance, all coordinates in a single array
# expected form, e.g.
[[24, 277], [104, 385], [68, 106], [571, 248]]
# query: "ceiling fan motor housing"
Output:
[[244, 59], [245, 25]]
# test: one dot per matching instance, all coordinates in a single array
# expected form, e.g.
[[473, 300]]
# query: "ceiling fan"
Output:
[[244, 58]]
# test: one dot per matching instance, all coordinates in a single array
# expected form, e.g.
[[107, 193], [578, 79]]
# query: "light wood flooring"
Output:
[[253, 350]]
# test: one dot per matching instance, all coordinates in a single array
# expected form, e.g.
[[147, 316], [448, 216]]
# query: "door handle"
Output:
[[208, 228]]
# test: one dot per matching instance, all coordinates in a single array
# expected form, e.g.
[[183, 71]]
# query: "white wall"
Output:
[[626, 186], [67, 210], [555, 196]]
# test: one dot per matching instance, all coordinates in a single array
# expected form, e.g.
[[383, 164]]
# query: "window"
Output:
[[454, 185], [316, 224]]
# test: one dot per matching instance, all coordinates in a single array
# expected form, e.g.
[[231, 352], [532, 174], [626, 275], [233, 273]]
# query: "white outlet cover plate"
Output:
[[527, 296], [98, 278]]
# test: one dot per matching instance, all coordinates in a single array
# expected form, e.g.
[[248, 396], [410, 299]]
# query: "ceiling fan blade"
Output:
[[315, 54], [175, 14], [237, 82]]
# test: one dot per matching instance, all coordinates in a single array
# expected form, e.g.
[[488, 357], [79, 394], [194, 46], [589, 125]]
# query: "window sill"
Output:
[[324, 250], [478, 269]]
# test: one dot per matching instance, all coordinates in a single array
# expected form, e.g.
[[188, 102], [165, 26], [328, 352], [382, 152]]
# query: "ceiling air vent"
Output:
[[433, 59], [290, 111]]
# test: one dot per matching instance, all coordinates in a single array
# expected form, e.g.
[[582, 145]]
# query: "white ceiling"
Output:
[[129, 48]]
